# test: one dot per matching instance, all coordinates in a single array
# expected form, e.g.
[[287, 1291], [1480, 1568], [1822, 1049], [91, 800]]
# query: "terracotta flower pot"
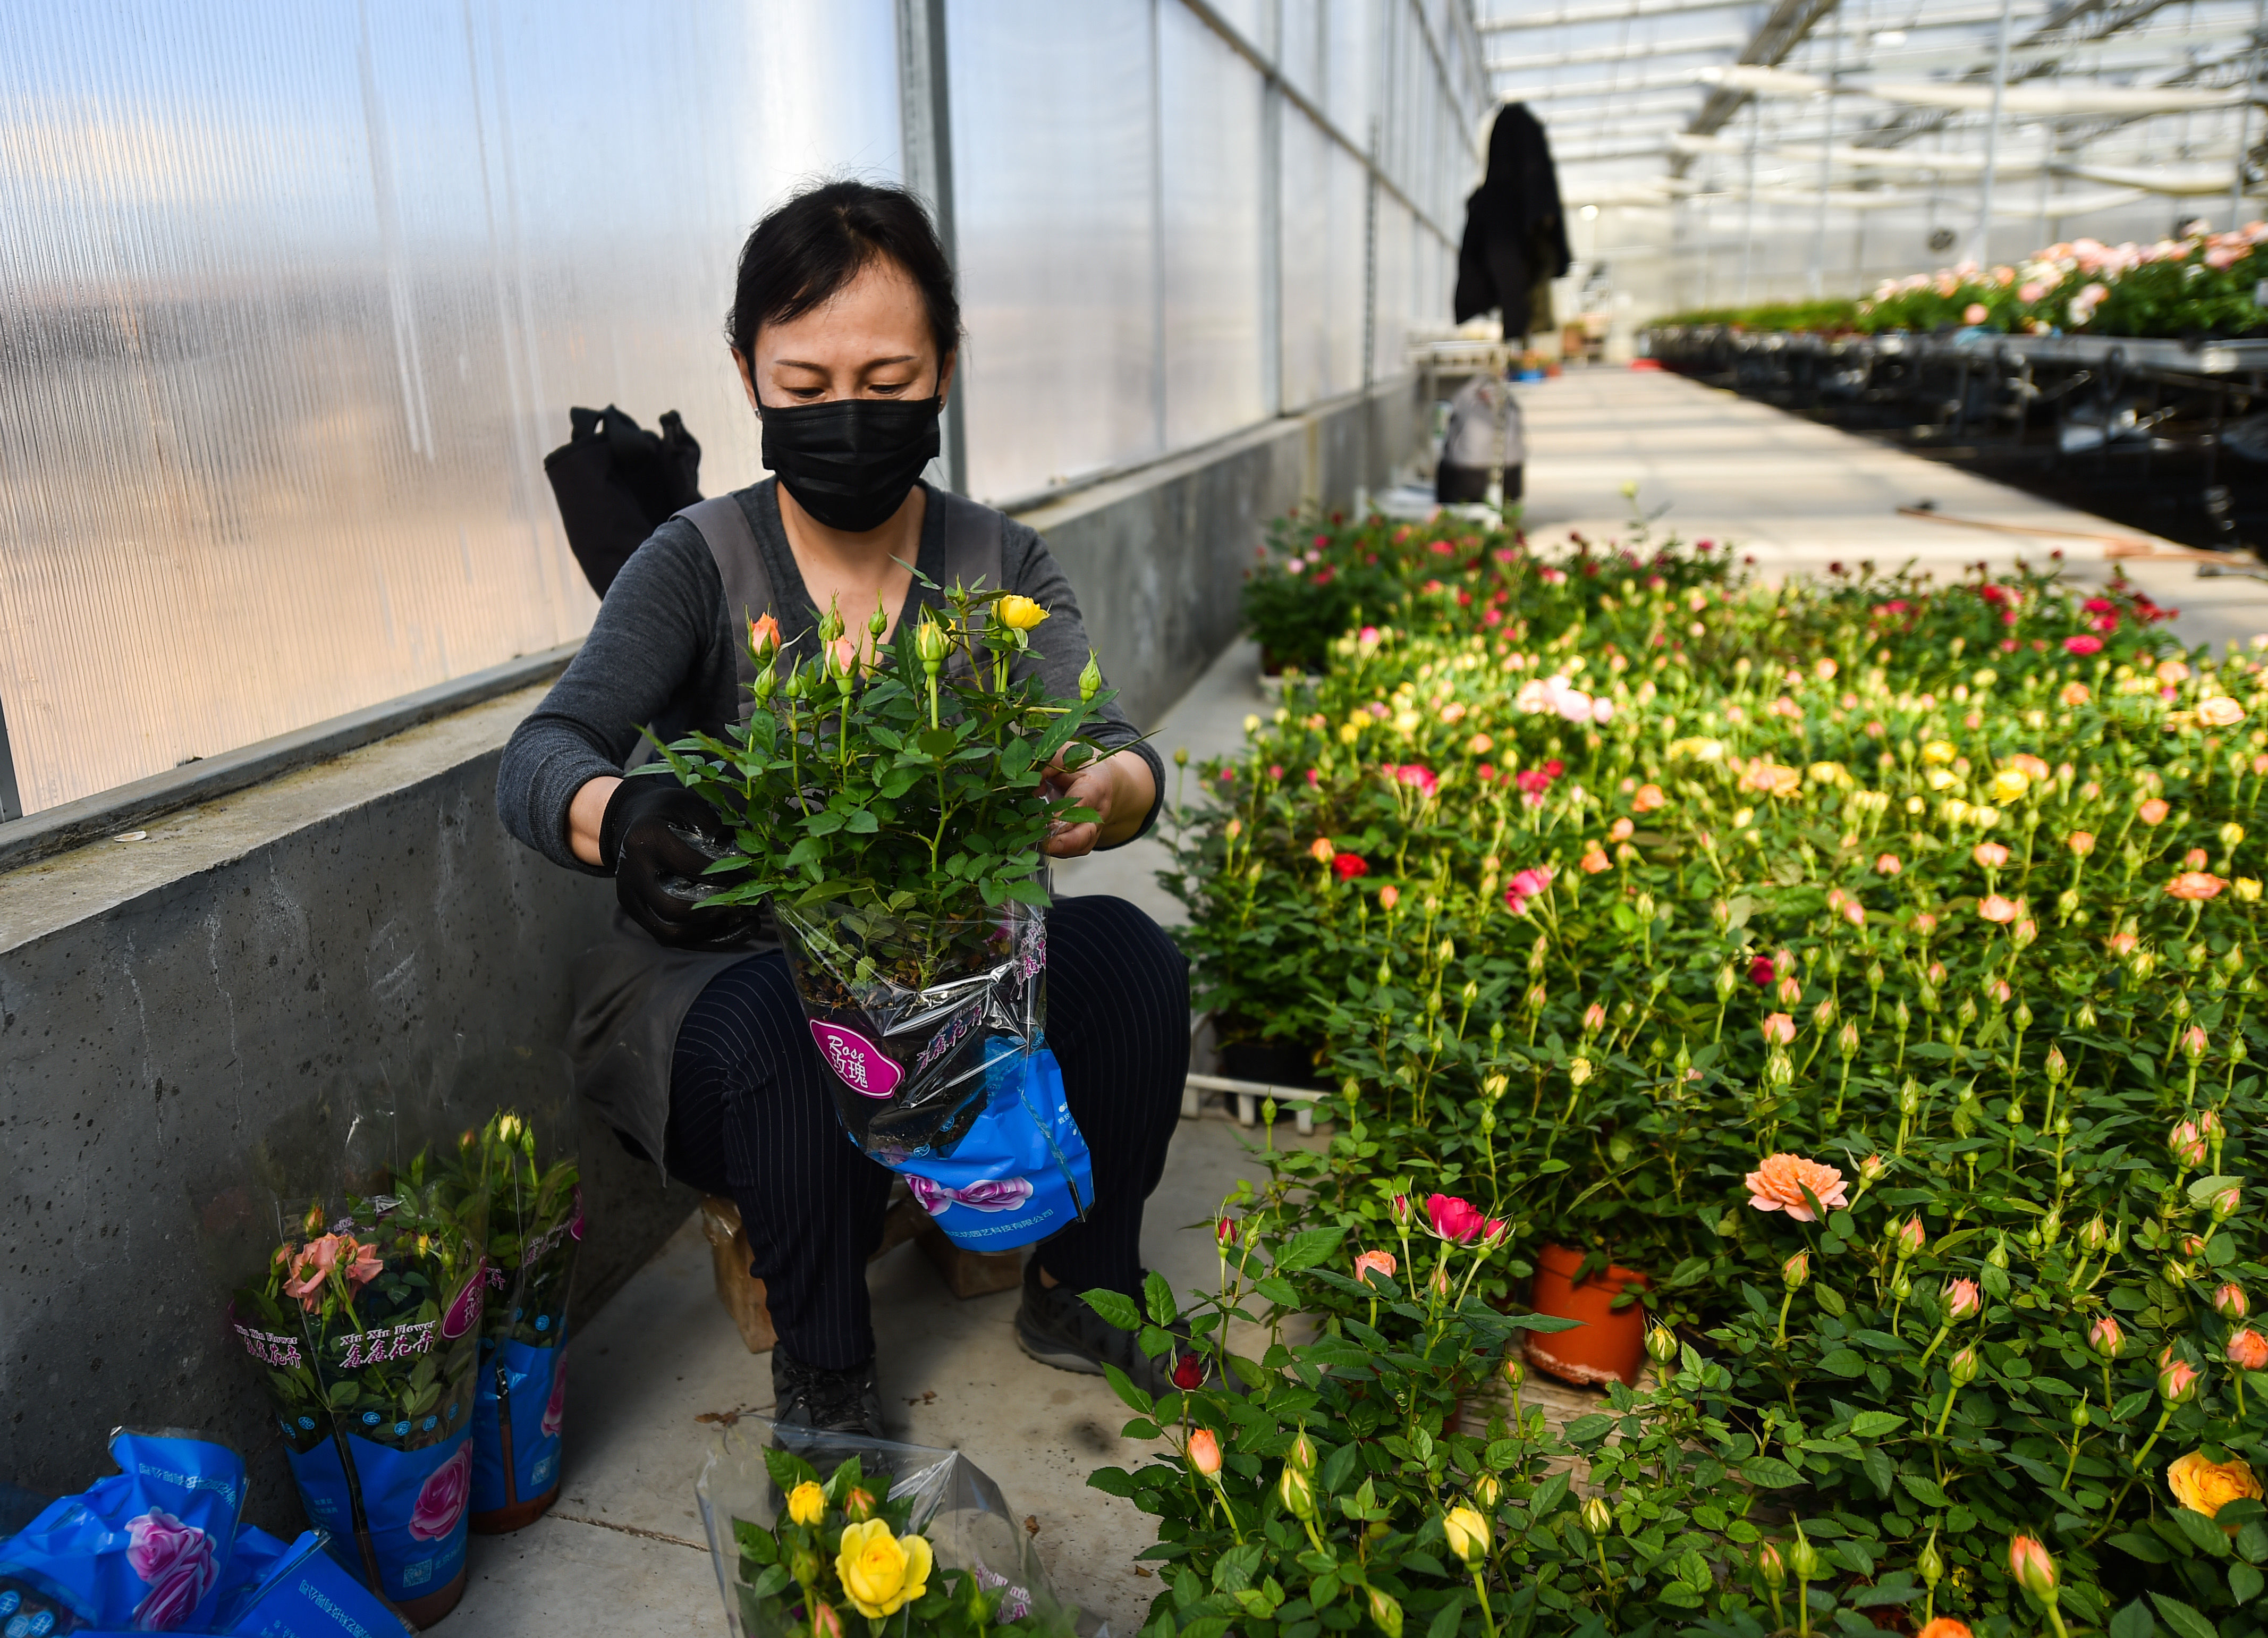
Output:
[[1609, 1345]]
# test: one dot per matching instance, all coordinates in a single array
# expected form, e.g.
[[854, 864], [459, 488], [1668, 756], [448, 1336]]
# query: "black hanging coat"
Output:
[[1515, 235]]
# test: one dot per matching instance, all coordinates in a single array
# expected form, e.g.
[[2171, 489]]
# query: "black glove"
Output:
[[658, 838]]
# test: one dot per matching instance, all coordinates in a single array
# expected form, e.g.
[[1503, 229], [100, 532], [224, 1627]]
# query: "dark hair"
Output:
[[810, 248]]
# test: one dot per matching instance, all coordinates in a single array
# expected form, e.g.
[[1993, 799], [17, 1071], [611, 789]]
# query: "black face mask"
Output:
[[849, 463]]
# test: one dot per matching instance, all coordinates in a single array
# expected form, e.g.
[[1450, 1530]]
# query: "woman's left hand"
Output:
[[1118, 787]]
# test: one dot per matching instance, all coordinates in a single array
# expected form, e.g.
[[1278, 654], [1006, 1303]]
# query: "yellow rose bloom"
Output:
[[806, 1503], [1938, 751], [1021, 614], [2205, 1487], [881, 1572], [1467, 1533]]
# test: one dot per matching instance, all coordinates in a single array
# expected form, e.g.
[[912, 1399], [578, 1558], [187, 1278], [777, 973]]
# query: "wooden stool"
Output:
[[966, 1273]]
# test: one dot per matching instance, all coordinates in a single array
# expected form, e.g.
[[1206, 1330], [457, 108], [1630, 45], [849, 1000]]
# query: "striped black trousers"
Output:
[[751, 1116]]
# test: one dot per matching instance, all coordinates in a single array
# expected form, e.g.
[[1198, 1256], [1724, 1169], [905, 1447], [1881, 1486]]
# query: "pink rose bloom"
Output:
[[2031, 291], [1778, 1183], [1418, 776], [1887, 865], [1367, 1263], [1975, 313], [2083, 645], [310, 1268], [2195, 886], [555, 1408], [1994, 908], [358, 1264], [1990, 855], [441, 1504], [1575, 704], [1460, 1221], [1778, 1030]]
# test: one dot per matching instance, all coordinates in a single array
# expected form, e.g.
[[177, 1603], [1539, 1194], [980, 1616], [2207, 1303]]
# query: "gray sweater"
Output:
[[661, 654]]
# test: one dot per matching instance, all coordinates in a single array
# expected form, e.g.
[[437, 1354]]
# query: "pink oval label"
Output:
[[465, 1312], [863, 1068]]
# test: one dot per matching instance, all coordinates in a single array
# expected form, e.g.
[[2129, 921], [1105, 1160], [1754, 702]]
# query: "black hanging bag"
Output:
[[616, 483]]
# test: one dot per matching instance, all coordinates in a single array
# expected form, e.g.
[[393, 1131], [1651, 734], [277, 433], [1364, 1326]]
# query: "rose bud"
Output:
[[1598, 1517], [1796, 1272], [1204, 1452], [1297, 1492], [1771, 1568], [2033, 1570], [1189, 1372], [825, 1623], [1910, 1237], [2226, 1202], [2177, 1382], [1302, 1453], [1960, 1299], [2229, 1301], [2248, 1350], [1385, 1612], [2094, 1235], [1487, 1491], [1514, 1371], [1962, 1367], [1660, 1345], [858, 1506], [1872, 1170]]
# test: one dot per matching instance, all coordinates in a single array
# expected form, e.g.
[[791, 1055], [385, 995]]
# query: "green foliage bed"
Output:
[[1869, 960]]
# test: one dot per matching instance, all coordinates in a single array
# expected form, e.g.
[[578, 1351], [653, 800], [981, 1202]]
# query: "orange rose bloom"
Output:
[[2205, 1487], [1945, 1626], [2194, 885], [1779, 1182]]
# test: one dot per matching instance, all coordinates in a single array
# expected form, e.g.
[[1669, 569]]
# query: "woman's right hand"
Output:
[[658, 838]]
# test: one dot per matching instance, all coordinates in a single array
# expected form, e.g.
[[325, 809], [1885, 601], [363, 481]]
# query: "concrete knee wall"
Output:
[[164, 1001]]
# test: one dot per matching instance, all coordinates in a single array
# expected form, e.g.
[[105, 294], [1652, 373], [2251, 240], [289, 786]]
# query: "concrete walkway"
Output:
[[1798, 496], [662, 1366]]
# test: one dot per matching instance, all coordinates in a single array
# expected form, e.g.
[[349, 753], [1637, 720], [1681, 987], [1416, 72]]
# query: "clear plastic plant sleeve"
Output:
[[935, 1031], [969, 1524]]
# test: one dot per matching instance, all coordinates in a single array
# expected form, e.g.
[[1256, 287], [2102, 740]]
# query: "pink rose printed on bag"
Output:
[[177, 1560], [441, 1504]]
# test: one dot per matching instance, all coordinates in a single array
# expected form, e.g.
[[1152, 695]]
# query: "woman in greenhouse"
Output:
[[688, 1036]]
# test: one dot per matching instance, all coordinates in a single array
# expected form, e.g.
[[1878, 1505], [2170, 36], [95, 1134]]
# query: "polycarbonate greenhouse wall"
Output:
[[294, 296]]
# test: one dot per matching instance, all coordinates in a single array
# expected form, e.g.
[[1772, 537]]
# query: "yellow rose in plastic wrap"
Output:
[[2206, 1486], [1020, 613], [880, 1572]]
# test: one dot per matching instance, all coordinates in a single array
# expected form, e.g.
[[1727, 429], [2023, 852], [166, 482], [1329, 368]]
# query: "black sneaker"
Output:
[[1056, 1328], [829, 1401]]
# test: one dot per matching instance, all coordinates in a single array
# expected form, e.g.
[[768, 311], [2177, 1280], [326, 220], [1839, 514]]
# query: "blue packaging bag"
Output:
[[516, 1456], [143, 1550], [414, 1504], [294, 1590], [1022, 1171]]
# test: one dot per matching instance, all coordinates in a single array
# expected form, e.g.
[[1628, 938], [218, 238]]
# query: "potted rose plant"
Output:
[[892, 814]]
